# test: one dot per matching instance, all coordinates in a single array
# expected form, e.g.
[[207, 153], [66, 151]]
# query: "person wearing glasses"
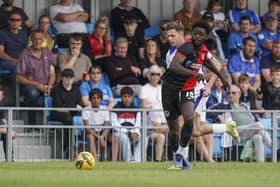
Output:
[[161, 39], [13, 41], [74, 59], [94, 82], [5, 11], [98, 45], [150, 97], [247, 125]]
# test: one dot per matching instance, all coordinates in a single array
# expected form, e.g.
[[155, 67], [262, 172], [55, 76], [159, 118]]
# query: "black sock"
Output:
[[186, 133], [174, 140]]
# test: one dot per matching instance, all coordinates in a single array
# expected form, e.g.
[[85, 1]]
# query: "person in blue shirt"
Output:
[[241, 9], [95, 82], [246, 62], [273, 7], [270, 33], [235, 39]]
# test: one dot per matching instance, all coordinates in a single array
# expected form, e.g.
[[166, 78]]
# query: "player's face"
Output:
[[276, 51], [95, 101], [199, 36], [173, 37], [249, 49], [127, 99]]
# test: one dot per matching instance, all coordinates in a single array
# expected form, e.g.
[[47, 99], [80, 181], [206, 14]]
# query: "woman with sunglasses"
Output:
[[151, 57], [151, 99]]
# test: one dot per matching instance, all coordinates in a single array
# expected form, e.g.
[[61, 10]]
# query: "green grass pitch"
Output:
[[64, 174]]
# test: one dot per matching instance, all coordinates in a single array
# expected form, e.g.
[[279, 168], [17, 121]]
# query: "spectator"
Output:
[[248, 127], [246, 62], [271, 93], [74, 59], [215, 7], [123, 10], [241, 9], [218, 94], [44, 25], [151, 99], [188, 16], [152, 57], [12, 42], [247, 97], [5, 12], [96, 118], [268, 34], [161, 39], [68, 18], [135, 39], [98, 45], [122, 69], [274, 8], [235, 39], [127, 132], [94, 82], [3, 130], [270, 61], [66, 95]]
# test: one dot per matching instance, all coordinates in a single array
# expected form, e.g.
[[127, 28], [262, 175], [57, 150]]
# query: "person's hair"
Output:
[[211, 44], [274, 69], [95, 91], [154, 69], [243, 18], [236, 86], [35, 32], [249, 38], [17, 12], [203, 25], [145, 49], [276, 41], [94, 66], [243, 78], [163, 22], [176, 25], [44, 16], [120, 40], [104, 20], [76, 37], [273, 2], [211, 4], [127, 91]]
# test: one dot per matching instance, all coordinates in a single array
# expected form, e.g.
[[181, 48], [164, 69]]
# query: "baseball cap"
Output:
[[207, 15], [67, 73]]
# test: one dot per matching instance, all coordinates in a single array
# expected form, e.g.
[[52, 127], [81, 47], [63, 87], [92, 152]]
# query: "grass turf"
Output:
[[63, 174]]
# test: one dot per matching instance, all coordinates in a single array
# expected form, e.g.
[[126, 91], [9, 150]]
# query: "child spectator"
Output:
[[127, 130], [95, 118], [3, 130]]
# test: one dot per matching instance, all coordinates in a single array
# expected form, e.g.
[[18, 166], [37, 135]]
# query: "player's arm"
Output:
[[177, 67]]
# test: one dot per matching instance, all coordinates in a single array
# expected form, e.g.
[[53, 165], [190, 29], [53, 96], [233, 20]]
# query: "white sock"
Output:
[[184, 151], [219, 128]]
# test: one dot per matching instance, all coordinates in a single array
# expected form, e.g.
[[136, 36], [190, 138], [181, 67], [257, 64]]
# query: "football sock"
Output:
[[174, 139], [219, 128], [186, 132]]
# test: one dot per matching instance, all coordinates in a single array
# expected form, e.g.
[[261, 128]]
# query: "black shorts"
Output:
[[172, 100]]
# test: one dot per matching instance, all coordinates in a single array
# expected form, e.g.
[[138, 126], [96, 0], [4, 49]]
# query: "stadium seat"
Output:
[[47, 113], [90, 27], [152, 31], [60, 50], [136, 101]]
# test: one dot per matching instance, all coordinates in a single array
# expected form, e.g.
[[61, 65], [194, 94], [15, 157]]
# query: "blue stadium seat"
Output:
[[136, 101], [90, 27], [48, 104], [152, 31], [60, 50], [217, 148], [78, 132]]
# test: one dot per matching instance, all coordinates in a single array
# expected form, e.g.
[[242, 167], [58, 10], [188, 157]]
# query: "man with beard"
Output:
[[245, 62]]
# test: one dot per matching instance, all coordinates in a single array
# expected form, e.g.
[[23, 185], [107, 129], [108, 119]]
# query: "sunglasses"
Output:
[[15, 19], [153, 74], [232, 93]]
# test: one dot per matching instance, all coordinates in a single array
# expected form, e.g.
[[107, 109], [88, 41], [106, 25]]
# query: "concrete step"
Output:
[[35, 138]]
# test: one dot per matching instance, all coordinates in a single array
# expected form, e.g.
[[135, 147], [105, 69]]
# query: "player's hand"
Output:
[[198, 76]]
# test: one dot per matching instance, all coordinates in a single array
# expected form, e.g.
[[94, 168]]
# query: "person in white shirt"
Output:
[[94, 117], [68, 18]]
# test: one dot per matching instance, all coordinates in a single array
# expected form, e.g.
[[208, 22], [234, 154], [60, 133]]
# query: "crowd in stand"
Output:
[[97, 69]]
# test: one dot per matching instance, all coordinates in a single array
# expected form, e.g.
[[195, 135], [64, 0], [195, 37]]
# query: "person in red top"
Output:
[[99, 45], [179, 84]]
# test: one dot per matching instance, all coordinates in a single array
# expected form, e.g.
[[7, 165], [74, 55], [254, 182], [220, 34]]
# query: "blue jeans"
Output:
[[32, 97], [11, 67]]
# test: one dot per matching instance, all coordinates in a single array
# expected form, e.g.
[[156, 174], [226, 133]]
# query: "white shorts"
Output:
[[200, 101]]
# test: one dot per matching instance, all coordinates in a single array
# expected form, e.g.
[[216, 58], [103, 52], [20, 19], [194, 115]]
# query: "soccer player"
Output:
[[178, 93]]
